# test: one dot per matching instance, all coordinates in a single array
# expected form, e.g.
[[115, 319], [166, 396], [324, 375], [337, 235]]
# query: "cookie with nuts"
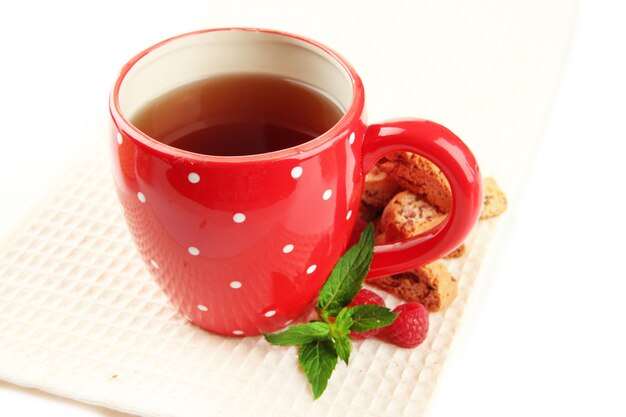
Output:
[[408, 215], [431, 285], [420, 176]]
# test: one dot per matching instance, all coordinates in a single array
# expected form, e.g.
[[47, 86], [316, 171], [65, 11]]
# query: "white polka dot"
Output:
[[351, 140], [154, 264], [288, 248], [239, 218], [237, 332], [193, 250], [235, 284], [120, 139], [311, 269], [327, 194], [141, 197], [349, 215], [296, 172], [202, 307], [193, 178], [270, 313]]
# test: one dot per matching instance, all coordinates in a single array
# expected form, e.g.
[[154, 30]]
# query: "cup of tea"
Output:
[[239, 158]]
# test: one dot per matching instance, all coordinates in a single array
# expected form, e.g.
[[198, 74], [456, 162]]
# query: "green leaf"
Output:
[[343, 322], [347, 277], [368, 317], [343, 346], [322, 343], [318, 360], [299, 334]]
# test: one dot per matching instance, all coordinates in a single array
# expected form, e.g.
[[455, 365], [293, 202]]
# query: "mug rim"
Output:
[[335, 132]]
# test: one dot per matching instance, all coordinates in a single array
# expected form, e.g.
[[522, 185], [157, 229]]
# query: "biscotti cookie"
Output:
[[431, 285], [379, 188], [407, 215], [419, 175], [494, 202]]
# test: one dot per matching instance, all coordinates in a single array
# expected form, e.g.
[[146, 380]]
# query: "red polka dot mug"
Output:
[[243, 244]]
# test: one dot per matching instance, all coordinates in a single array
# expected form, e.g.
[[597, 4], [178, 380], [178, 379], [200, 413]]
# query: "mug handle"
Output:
[[443, 148]]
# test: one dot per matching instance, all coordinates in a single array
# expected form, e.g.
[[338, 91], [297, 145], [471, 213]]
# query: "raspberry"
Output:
[[366, 297], [410, 328]]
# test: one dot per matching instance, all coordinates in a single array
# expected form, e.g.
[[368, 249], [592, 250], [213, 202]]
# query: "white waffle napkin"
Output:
[[81, 317]]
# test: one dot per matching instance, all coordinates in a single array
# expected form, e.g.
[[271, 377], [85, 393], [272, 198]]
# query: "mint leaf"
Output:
[[299, 334], [322, 343], [343, 346], [347, 277], [318, 360], [343, 322], [367, 317]]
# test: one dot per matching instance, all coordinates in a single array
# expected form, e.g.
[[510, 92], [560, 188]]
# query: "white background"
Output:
[[544, 332]]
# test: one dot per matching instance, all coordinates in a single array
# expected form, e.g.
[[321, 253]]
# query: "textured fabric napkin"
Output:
[[81, 317]]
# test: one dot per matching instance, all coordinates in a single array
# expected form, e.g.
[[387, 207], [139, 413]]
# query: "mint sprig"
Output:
[[347, 277], [323, 343]]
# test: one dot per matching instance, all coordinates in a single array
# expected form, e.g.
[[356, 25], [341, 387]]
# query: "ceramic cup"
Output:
[[243, 244]]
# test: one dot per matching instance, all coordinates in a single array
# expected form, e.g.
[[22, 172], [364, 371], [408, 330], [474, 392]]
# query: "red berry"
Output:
[[366, 297], [410, 328]]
